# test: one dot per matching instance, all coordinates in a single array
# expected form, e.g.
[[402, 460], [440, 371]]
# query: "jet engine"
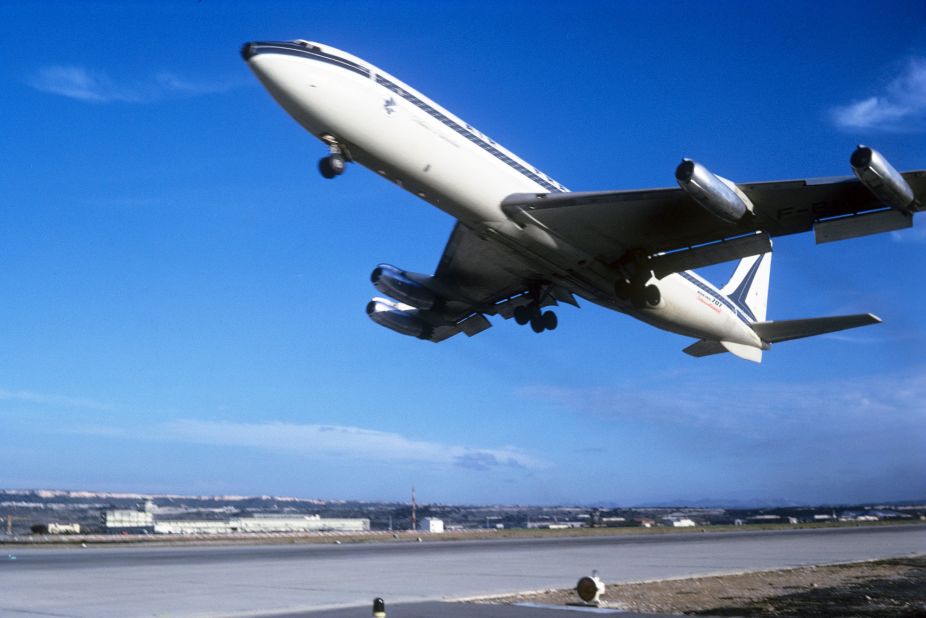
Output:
[[879, 177], [399, 317], [719, 196], [397, 284]]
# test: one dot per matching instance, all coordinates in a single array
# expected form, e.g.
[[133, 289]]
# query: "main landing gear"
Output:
[[332, 165], [533, 314], [539, 321]]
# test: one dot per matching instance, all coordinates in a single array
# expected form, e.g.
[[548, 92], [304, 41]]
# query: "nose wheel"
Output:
[[331, 166], [336, 161]]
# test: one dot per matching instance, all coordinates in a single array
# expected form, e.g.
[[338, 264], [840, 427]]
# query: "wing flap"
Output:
[[707, 255], [862, 225], [474, 324]]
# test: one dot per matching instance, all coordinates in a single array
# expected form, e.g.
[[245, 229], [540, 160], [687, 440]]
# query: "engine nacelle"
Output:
[[399, 317], [879, 177], [395, 283], [719, 196]]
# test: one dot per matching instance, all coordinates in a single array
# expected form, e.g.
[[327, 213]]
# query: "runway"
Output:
[[253, 580]]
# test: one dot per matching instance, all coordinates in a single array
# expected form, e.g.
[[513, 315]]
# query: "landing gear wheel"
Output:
[[549, 320], [324, 166], [532, 312], [522, 315], [331, 166], [537, 324]]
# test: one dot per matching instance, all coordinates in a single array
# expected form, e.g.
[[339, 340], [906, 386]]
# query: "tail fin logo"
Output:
[[748, 288]]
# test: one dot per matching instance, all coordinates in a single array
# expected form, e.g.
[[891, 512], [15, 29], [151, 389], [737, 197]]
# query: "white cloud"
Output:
[[900, 108], [94, 86], [52, 400], [342, 441]]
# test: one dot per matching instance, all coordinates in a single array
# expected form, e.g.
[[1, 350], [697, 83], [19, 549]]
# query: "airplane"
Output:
[[522, 242]]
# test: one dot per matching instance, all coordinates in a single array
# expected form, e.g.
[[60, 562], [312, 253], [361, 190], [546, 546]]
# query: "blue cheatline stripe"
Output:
[[295, 49], [738, 295], [745, 318], [463, 131]]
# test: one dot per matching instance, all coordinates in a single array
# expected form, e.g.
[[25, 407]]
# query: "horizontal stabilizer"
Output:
[[708, 347], [785, 330], [705, 347]]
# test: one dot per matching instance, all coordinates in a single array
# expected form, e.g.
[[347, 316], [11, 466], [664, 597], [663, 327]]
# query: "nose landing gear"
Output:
[[334, 164], [331, 166]]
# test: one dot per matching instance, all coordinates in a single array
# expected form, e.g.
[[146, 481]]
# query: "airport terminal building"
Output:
[[122, 521], [262, 523]]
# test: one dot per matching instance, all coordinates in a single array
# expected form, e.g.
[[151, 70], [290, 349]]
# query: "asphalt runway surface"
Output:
[[254, 580], [434, 609]]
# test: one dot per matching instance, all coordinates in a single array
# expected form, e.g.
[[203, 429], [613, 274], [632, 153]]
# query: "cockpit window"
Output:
[[307, 44]]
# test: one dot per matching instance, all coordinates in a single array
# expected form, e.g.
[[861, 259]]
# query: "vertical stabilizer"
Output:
[[748, 288]]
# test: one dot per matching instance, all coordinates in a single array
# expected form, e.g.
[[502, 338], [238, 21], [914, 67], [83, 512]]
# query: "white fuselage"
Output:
[[402, 135]]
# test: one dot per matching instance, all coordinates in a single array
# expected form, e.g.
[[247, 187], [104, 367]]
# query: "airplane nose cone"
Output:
[[247, 50]]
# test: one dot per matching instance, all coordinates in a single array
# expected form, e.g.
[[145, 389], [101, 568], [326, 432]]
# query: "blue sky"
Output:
[[183, 294]]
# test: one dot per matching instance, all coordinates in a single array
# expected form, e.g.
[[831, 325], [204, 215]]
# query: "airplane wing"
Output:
[[611, 225], [479, 273], [476, 278]]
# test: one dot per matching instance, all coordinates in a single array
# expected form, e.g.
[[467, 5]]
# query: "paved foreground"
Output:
[[433, 609], [262, 579], [891, 588]]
